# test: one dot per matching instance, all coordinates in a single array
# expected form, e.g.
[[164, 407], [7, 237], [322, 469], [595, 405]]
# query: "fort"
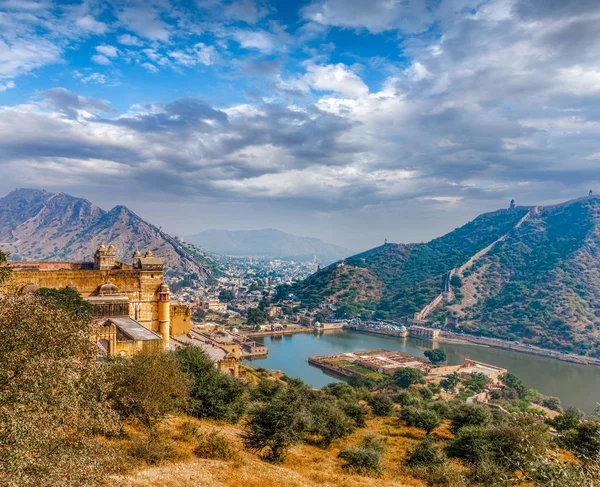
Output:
[[131, 302]]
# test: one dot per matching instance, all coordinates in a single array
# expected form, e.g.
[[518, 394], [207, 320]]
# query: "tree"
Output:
[[54, 404], [213, 394], [365, 458], [511, 380], [476, 382], [470, 415], [4, 269], [329, 420], [381, 405], [226, 295], [436, 356], [148, 386], [407, 376], [450, 382], [425, 454], [425, 419], [256, 316], [456, 281], [275, 426]]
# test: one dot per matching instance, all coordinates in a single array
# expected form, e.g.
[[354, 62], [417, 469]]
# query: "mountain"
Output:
[[36, 224], [267, 243], [526, 273]]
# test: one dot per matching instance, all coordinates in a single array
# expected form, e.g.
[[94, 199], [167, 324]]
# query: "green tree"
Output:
[[226, 295], [470, 415], [54, 404], [476, 382], [148, 386], [425, 454], [381, 405], [329, 421], [365, 458], [275, 426], [256, 316], [407, 376], [511, 380], [425, 419], [451, 381], [436, 356], [5, 271], [213, 394]]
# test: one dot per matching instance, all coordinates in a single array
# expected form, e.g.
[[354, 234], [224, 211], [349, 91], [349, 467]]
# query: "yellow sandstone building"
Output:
[[131, 301]]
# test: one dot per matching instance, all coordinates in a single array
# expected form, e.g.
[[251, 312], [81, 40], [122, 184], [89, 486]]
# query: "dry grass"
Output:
[[306, 465]]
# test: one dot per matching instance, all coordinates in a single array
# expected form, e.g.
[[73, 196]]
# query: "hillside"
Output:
[[538, 282], [37, 224], [267, 243]]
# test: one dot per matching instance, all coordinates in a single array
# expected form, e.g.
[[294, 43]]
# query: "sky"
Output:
[[348, 120]]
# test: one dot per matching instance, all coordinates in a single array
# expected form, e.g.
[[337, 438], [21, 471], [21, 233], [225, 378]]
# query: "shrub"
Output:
[[425, 419], [443, 408], [471, 443], [329, 421], [273, 427], [436, 356], [564, 422], [355, 411], [214, 445], [426, 393], [152, 448], [148, 386], [366, 457], [381, 405], [470, 415], [425, 454], [450, 382], [408, 376], [407, 398], [213, 394]]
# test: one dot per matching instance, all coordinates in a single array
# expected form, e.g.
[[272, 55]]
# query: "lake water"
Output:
[[574, 384]]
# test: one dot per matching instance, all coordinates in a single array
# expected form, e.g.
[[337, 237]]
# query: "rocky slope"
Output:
[[268, 243], [539, 284], [36, 224]]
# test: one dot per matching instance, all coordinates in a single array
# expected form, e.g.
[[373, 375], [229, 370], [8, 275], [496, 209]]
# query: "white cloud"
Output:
[[337, 78], [90, 24], [7, 85], [108, 51], [145, 21], [129, 40], [150, 67], [257, 39], [101, 59], [21, 56]]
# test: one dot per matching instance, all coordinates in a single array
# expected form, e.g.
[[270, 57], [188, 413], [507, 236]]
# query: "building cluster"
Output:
[[131, 301]]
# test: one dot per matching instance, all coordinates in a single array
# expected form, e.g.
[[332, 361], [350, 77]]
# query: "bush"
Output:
[[408, 376], [355, 411], [470, 415], [471, 443], [214, 445], [450, 382], [213, 394], [148, 386], [407, 398], [329, 421], [366, 457], [425, 419], [425, 454], [426, 393], [443, 408], [436, 356], [152, 448], [275, 426], [564, 422], [381, 405]]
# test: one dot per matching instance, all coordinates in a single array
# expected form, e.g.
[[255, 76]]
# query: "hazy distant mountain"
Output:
[[39, 225], [267, 243], [528, 273]]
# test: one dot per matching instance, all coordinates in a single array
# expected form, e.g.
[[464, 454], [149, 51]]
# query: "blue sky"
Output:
[[349, 120]]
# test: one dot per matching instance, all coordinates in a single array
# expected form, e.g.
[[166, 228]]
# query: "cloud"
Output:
[[101, 59], [90, 24], [108, 51], [245, 10], [335, 77], [71, 104], [129, 40], [150, 67], [7, 85], [198, 54], [145, 21], [256, 39]]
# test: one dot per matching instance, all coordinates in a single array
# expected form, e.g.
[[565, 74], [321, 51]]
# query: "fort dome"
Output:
[[163, 288], [148, 253], [102, 247], [112, 248], [30, 288], [108, 289], [137, 253]]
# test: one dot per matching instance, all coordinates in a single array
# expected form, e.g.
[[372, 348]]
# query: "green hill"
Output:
[[540, 283]]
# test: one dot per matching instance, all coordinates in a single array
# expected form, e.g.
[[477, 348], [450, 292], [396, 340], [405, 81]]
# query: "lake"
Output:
[[574, 384]]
